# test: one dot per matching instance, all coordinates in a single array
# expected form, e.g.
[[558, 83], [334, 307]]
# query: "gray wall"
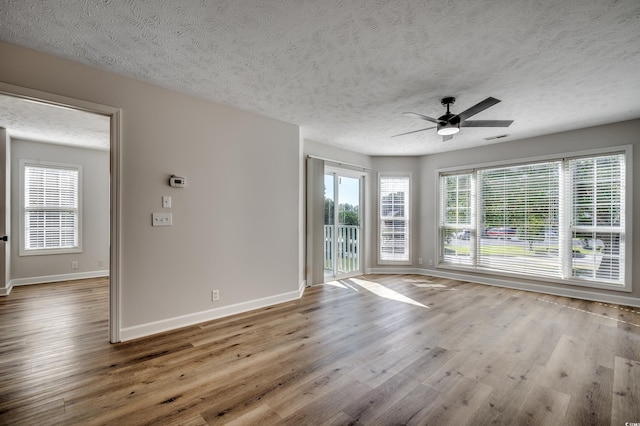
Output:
[[95, 210], [235, 225]]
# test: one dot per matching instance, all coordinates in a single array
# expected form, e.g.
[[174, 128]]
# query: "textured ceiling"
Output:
[[47, 123], [345, 70]]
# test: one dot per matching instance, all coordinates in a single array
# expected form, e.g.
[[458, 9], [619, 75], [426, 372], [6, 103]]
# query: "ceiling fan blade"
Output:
[[414, 131], [486, 123], [422, 117], [479, 107], [447, 138]]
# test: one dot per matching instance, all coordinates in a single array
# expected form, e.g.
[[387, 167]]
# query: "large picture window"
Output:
[[394, 218], [50, 208], [559, 219]]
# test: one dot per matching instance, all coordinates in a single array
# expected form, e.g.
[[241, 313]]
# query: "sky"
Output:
[[349, 189]]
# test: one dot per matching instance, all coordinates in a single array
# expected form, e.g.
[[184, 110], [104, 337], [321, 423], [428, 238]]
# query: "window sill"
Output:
[[625, 288], [48, 252]]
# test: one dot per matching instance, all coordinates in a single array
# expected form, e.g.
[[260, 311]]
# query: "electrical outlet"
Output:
[[430, 262], [100, 263], [74, 264], [420, 261], [215, 295]]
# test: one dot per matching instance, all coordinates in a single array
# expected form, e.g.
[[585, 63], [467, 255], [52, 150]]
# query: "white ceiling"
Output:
[[345, 70], [30, 120]]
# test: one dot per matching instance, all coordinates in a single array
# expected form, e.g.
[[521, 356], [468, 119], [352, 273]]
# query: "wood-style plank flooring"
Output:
[[373, 350]]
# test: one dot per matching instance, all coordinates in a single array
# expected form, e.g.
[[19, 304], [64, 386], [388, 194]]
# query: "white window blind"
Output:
[[519, 212], [457, 218], [394, 218], [563, 219], [51, 208], [597, 223]]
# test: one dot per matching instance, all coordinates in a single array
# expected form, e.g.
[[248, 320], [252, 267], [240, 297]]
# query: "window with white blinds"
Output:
[[394, 218], [559, 219], [597, 186], [50, 208], [457, 217], [519, 210]]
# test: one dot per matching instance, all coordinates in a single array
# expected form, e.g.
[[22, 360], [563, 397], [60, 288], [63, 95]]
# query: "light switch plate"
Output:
[[166, 201], [161, 219]]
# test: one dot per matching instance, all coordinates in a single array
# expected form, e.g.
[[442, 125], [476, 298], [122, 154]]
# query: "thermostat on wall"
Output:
[[177, 181]]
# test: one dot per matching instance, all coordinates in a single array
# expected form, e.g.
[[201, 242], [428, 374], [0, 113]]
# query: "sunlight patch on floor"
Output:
[[341, 284], [387, 293], [335, 284]]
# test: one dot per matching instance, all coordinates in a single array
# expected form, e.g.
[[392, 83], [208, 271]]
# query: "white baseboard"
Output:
[[6, 290], [51, 279], [129, 333], [398, 271], [518, 285]]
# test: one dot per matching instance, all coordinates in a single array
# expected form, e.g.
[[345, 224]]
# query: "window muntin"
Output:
[[394, 219], [561, 219], [50, 216]]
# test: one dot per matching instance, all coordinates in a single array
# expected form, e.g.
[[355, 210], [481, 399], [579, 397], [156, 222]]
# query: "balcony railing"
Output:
[[347, 251]]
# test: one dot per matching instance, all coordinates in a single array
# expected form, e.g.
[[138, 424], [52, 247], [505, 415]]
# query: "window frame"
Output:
[[406, 218], [23, 251], [626, 231]]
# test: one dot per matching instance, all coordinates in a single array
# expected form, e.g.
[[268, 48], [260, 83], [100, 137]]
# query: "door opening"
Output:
[[114, 115], [343, 223]]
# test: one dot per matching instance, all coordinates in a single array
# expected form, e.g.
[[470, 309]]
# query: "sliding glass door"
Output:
[[342, 223]]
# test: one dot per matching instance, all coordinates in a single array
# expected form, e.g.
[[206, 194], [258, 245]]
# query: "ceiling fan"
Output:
[[449, 124]]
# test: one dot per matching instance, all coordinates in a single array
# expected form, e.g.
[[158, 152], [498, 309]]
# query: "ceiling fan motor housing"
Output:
[[449, 100]]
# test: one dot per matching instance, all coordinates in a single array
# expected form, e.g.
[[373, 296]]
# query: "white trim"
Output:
[[115, 114], [536, 288], [116, 262], [6, 290], [57, 278], [129, 333], [339, 163]]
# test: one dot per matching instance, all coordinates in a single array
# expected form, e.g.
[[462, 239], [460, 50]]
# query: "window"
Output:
[[50, 204], [561, 219], [394, 218]]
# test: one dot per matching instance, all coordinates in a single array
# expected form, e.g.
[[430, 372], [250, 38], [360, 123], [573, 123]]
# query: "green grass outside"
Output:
[[506, 250]]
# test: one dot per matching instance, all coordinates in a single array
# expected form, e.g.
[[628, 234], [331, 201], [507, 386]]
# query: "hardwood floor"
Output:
[[374, 350]]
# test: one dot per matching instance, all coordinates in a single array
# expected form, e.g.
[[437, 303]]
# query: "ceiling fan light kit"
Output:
[[448, 129], [449, 124]]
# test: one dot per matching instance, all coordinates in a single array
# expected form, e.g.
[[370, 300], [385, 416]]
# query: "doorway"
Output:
[[343, 223], [114, 116]]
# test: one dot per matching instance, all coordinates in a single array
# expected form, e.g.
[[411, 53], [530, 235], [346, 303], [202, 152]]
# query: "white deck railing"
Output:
[[347, 251]]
